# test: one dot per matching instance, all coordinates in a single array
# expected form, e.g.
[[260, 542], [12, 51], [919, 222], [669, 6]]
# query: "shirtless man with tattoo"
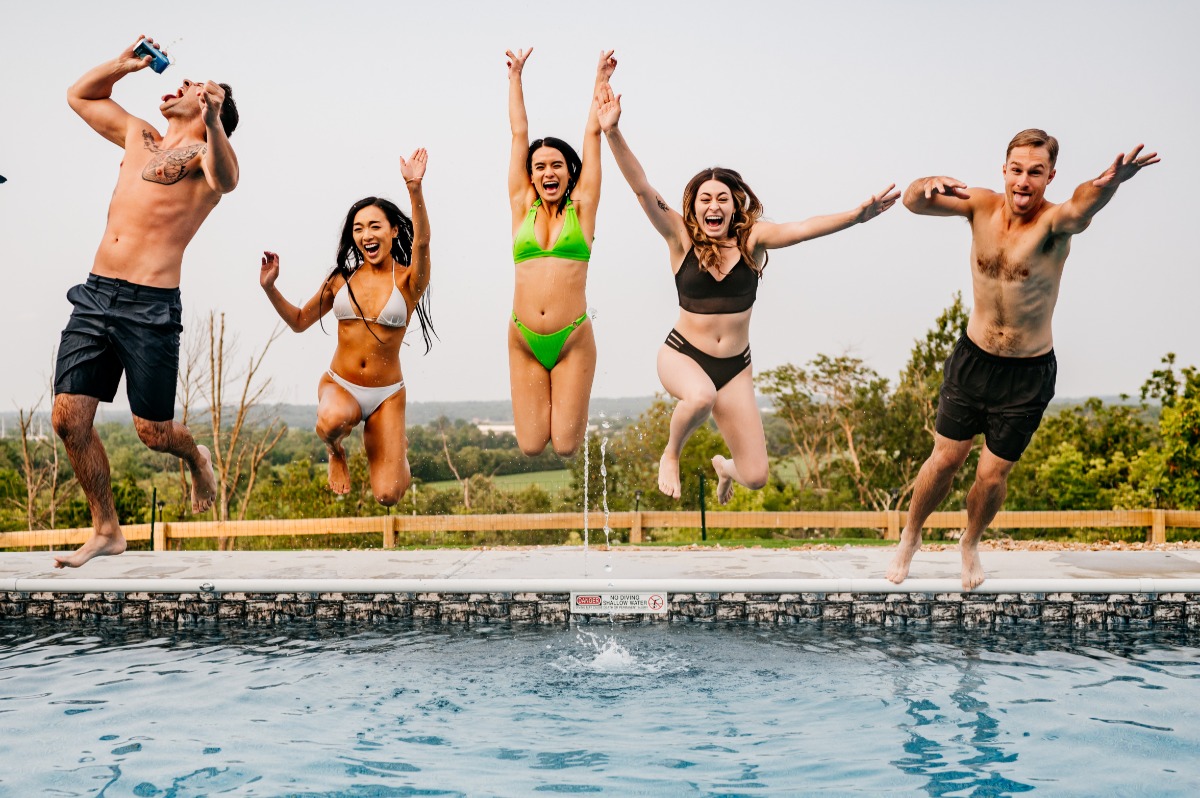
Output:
[[1000, 377], [126, 316]]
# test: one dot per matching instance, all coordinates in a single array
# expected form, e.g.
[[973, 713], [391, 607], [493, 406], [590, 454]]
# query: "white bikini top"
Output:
[[394, 313]]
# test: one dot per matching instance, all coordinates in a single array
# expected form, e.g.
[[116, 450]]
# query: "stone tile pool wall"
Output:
[[1115, 610]]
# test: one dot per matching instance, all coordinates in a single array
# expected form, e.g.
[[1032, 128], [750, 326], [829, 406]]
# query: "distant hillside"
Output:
[[419, 413], [498, 411]]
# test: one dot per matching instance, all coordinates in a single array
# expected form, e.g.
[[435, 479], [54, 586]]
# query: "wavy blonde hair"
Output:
[[746, 211]]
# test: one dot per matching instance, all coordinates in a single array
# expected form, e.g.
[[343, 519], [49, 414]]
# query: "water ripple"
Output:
[[624, 710]]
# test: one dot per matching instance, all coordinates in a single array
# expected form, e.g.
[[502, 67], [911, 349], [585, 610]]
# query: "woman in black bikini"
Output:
[[718, 251]]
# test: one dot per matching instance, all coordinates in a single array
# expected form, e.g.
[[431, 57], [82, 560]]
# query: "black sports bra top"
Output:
[[699, 292]]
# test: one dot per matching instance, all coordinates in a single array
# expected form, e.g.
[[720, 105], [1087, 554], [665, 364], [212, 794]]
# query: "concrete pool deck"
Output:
[[543, 563], [535, 584]]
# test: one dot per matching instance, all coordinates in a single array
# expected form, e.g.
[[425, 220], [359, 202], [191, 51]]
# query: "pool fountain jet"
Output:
[[605, 425], [586, 474]]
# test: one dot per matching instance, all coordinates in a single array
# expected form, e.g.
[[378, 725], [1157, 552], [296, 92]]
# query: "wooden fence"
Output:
[[889, 523]]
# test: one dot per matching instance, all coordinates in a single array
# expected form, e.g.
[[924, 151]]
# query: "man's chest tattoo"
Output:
[[168, 166]]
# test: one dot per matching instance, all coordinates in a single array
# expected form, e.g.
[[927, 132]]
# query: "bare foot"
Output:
[[339, 471], [897, 570], [724, 481], [204, 482], [972, 573], [97, 546], [668, 476]]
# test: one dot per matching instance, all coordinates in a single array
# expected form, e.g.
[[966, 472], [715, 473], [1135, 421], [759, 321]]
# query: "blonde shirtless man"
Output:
[[1000, 376], [126, 316]]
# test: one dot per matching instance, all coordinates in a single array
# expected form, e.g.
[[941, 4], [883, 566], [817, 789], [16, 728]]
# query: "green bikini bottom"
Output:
[[546, 348]]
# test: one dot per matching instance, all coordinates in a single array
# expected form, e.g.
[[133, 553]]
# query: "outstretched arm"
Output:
[[587, 188], [774, 236], [413, 171], [1074, 215], [219, 161], [938, 196], [91, 95], [298, 319], [519, 187], [667, 222]]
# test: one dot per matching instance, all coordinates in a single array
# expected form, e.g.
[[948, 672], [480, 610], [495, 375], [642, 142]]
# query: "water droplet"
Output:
[[591, 313], [608, 567]]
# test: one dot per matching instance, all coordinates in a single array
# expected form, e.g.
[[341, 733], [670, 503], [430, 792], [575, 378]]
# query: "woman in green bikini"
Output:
[[551, 349]]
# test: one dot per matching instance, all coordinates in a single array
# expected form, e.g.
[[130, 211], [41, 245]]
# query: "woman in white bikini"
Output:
[[379, 283]]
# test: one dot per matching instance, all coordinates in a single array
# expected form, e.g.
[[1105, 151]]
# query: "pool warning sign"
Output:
[[619, 603]]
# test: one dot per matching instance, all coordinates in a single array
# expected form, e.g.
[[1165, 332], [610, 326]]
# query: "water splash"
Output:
[[606, 654], [611, 656], [170, 50]]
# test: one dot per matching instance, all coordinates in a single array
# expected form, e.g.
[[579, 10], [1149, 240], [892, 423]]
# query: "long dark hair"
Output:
[[574, 162], [349, 259]]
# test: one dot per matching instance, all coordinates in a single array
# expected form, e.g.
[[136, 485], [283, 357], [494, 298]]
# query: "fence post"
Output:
[[1158, 532], [159, 535], [893, 525], [389, 531], [635, 531]]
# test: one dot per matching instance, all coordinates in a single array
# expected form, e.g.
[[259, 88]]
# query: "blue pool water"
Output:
[[621, 710]]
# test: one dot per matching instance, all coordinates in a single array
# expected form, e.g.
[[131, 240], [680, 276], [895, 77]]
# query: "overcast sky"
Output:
[[818, 105]]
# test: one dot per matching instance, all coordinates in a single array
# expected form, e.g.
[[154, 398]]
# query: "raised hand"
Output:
[[414, 168], [269, 272], [877, 204], [606, 67], [211, 97], [134, 63], [608, 107], [516, 61], [945, 185], [1125, 167]]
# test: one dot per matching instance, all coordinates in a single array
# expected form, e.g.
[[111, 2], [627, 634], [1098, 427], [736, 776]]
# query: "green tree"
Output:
[[906, 430], [1176, 475], [855, 442], [631, 458], [1082, 458]]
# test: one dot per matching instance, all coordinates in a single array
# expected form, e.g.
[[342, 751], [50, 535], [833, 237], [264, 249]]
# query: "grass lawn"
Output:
[[725, 544], [549, 481], [770, 543]]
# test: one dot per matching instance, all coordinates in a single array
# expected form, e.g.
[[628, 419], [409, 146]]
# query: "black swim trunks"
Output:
[[116, 327], [1002, 397]]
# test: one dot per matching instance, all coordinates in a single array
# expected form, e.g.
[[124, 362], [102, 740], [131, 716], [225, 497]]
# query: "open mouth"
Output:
[[550, 186], [370, 249], [175, 96], [713, 222]]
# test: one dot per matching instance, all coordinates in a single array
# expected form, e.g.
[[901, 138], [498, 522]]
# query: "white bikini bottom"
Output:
[[369, 399]]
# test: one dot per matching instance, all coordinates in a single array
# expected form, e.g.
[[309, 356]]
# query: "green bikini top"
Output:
[[570, 244]]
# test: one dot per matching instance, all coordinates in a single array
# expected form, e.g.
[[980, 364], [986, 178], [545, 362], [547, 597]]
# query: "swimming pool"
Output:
[[687, 709]]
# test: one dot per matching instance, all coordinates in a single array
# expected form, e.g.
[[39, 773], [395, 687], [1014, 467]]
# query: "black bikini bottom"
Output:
[[719, 369]]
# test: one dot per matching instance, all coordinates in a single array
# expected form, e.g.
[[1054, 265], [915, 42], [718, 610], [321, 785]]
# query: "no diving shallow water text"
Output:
[[619, 603]]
